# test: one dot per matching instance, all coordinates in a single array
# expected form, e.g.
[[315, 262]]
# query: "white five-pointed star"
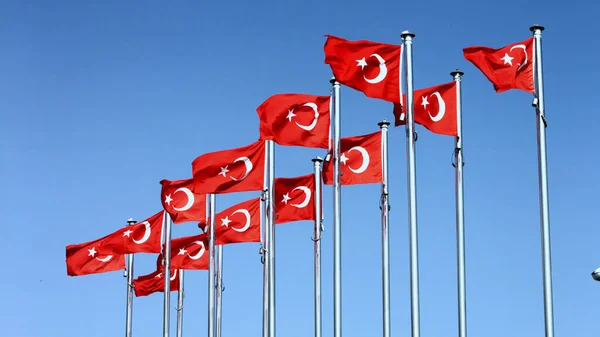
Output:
[[507, 59], [290, 114], [92, 252], [343, 158], [127, 232], [361, 63], [424, 103], [181, 251], [286, 197], [225, 221], [168, 199], [158, 276], [224, 171]]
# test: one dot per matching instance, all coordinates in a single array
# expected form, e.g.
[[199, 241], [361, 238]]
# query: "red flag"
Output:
[[294, 199], [84, 259], [435, 109], [154, 282], [509, 67], [142, 237], [190, 252], [295, 120], [360, 161], [235, 170], [239, 223], [370, 67], [181, 202]]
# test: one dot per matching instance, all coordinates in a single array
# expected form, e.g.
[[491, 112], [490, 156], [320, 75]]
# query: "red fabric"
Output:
[[370, 67], [180, 201], [509, 67], [155, 282], [295, 199], [234, 170], [142, 237], [238, 223], [84, 259], [436, 113], [190, 252], [295, 120], [360, 161]]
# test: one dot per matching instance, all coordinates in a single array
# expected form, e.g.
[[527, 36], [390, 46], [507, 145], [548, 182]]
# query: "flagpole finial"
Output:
[[333, 81], [383, 124], [456, 72], [317, 159], [536, 27], [406, 34], [130, 221]]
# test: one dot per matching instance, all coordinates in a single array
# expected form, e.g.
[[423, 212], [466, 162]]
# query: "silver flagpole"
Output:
[[180, 296], [211, 268], [317, 245], [337, 214], [265, 246], [385, 234], [460, 211], [543, 181], [129, 275], [412, 188], [219, 289], [167, 273], [271, 247]]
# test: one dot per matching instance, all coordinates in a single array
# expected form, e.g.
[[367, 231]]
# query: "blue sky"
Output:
[[102, 100]]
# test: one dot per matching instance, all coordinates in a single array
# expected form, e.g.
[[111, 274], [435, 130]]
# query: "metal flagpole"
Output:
[[265, 246], [337, 214], [412, 188], [460, 211], [167, 273], [317, 245], [219, 289], [538, 103], [129, 275], [180, 296], [211, 268], [271, 232], [385, 235]]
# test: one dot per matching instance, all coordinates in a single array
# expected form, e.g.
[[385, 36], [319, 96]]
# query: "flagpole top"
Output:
[[383, 124], [130, 221], [536, 27], [456, 72], [406, 34], [333, 81], [317, 159]]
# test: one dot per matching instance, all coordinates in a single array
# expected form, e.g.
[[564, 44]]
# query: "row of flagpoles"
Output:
[[194, 200]]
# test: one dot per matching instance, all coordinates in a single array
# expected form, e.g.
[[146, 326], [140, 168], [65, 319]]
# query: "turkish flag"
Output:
[[360, 161], [142, 237], [370, 67], [238, 223], [154, 282], [190, 252], [294, 199], [180, 201], [509, 67], [84, 259], [235, 170], [435, 109], [295, 120]]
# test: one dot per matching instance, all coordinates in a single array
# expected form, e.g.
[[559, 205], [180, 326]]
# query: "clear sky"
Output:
[[101, 100]]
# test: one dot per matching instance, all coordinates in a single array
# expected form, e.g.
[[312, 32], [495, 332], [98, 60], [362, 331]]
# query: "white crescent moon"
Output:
[[521, 46], [314, 122], [366, 159], [190, 197], [247, 225], [200, 253], [382, 71], [147, 232], [105, 259], [441, 109], [172, 278], [248, 165], [307, 194]]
